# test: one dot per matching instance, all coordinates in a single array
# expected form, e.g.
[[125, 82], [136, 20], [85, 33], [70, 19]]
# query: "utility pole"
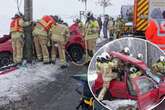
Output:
[[28, 46]]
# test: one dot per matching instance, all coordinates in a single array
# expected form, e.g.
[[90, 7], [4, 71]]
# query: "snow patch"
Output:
[[23, 80]]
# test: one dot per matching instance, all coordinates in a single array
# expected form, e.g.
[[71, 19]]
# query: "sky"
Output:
[[67, 9]]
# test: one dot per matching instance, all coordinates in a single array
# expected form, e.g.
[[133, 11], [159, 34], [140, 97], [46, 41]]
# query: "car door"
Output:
[[118, 89], [147, 92]]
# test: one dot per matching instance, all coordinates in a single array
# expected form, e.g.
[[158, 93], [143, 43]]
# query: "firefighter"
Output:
[[105, 26], [81, 26], [59, 35], [99, 20], [134, 72], [98, 65], [107, 67], [17, 36], [41, 39], [111, 28], [91, 34], [119, 27], [155, 31], [159, 66]]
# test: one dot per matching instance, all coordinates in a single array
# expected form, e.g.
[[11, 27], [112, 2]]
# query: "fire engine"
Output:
[[142, 13]]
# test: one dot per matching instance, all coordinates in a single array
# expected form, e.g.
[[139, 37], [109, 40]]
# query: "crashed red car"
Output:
[[74, 47], [148, 89], [5, 50]]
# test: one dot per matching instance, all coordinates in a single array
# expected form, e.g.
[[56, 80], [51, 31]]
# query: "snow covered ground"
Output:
[[119, 104], [21, 81]]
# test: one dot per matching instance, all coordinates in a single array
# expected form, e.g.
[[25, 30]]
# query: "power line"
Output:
[[18, 4]]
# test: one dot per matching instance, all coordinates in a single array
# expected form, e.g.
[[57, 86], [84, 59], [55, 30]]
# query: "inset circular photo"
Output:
[[128, 74]]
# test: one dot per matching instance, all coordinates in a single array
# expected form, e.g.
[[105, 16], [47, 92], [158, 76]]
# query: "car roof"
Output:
[[138, 63]]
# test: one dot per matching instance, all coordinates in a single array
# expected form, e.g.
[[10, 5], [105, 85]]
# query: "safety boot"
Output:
[[64, 66]]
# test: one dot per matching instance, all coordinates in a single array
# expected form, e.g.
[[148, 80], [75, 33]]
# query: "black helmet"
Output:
[[77, 20], [16, 15], [98, 59], [89, 15], [56, 18]]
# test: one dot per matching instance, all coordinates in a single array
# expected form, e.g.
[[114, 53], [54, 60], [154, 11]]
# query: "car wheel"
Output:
[[76, 53], [5, 59]]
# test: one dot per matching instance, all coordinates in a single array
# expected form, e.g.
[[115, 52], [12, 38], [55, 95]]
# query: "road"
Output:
[[60, 94]]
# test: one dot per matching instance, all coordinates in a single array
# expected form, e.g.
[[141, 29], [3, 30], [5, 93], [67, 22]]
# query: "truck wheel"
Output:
[[76, 52], [5, 59]]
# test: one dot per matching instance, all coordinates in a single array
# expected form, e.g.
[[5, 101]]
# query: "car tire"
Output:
[[76, 52], [5, 59]]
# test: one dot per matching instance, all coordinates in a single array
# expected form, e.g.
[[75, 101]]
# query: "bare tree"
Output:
[[104, 4], [85, 3]]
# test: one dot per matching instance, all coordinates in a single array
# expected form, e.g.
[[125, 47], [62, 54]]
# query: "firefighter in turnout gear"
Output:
[[134, 72], [98, 65], [111, 28], [81, 26], [119, 27], [159, 66], [107, 67], [40, 34], [17, 35], [59, 34], [91, 34]]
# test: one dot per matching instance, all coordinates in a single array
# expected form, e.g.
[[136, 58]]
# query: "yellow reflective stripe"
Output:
[[45, 24], [90, 102], [16, 28], [142, 10], [141, 6], [143, 26], [140, 2]]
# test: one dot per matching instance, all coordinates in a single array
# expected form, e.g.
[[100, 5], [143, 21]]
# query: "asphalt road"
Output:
[[60, 94]]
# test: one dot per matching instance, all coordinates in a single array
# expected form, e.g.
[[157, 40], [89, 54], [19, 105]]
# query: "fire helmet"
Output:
[[162, 58], [140, 56]]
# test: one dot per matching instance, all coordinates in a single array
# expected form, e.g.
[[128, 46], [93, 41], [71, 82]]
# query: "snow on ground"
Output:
[[119, 103], [23, 80]]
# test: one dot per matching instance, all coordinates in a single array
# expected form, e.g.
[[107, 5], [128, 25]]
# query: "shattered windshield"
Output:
[[155, 77], [145, 85]]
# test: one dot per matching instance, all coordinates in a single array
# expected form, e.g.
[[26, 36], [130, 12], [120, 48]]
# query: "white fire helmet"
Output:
[[140, 56], [133, 69], [162, 58], [105, 55], [127, 50]]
